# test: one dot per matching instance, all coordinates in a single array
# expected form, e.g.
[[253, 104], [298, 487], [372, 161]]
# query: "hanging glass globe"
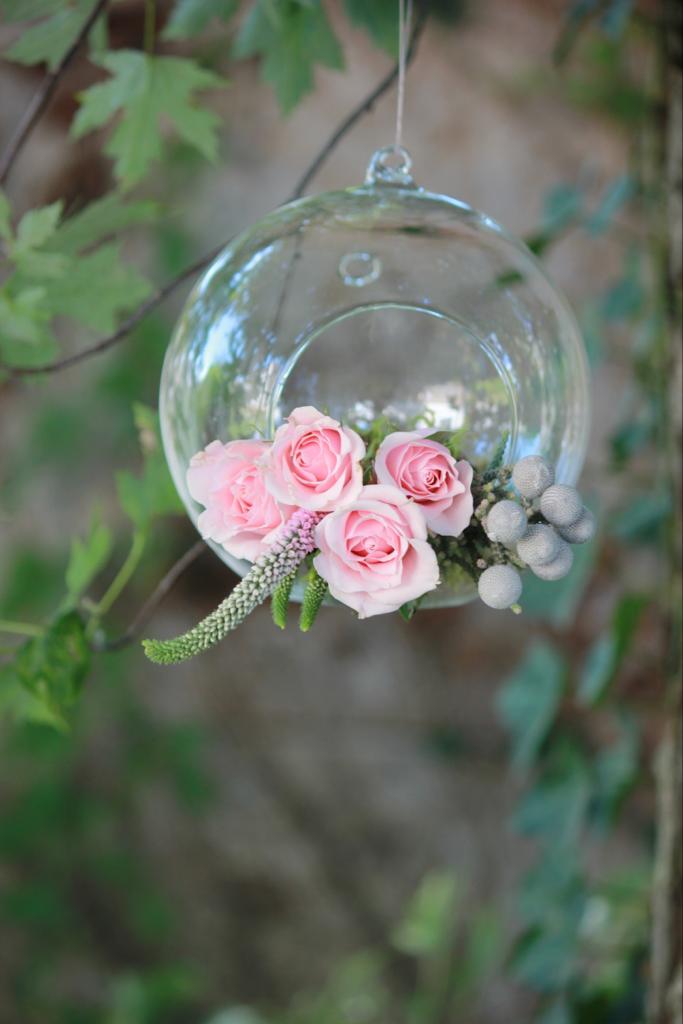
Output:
[[387, 300]]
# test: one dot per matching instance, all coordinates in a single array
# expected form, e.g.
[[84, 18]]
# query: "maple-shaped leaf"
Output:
[[47, 40], [145, 90], [291, 37], [190, 17], [98, 287]]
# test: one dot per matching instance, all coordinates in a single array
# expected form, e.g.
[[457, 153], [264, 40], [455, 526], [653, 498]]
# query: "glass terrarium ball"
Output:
[[382, 299]]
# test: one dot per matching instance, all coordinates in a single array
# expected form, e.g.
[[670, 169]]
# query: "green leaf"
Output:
[[292, 37], [555, 809], [144, 90], [280, 600], [608, 652], [379, 18], [616, 196], [25, 337], [48, 40], [153, 493], [643, 518], [616, 771], [37, 226], [98, 287], [101, 219], [431, 917], [190, 17], [529, 701], [88, 557], [53, 667]]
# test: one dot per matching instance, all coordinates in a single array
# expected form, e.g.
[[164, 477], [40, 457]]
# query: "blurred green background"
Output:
[[451, 821]]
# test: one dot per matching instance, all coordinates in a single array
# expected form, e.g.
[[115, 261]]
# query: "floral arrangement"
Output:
[[376, 521]]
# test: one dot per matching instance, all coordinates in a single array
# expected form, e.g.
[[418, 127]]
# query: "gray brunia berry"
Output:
[[561, 505], [532, 476], [506, 522], [539, 545], [500, 586], [559, 567], [582, 530]]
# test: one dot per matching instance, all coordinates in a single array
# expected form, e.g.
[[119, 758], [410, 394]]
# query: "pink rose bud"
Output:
[[314, 462], [374, 553], [426, 472], [240, 513]]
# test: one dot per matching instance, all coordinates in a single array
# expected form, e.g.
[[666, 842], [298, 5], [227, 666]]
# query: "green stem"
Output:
[[150, 26], [123, 576], [21, 628]]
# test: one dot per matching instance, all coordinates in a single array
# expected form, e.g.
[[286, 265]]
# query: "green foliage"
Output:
[[280, 601], [609, 650], [65, 268], [314, 595], [51, 669], [48, 39], [291, 37], [144, 498], [190, 17], [529, 702], [379, 19], [143, 90], [88, 557]]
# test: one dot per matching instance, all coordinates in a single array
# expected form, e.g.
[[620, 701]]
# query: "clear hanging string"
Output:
[[392, 165], [405, 19]]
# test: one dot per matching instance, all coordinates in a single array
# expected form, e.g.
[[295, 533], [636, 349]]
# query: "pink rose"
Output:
[[374, 553], [239, 513], [426, 471], [314, 462]]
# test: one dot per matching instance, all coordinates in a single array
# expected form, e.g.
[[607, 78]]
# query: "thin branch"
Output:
[[168, 289], [155, 598], [43, 95]]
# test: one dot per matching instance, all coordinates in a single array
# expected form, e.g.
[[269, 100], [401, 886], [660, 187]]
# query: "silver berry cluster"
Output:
[[544, 546]]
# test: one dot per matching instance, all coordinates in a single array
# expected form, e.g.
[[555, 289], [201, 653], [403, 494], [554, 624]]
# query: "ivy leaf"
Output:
[[608, 652], [97, 288], [555, 809], [379, 19], [53, 667], [48, 40], [190, 17], [87, 558], [292, 37], [529, 701], [144, 89], [616, 770]]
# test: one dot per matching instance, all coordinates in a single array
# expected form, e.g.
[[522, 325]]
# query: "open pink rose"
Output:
[[240, 513], [426, 471], [314, 462], [374, 553]]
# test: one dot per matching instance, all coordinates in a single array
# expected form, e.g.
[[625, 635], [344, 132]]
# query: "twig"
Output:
[[43, 95], [155, 598], [162, 294]]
